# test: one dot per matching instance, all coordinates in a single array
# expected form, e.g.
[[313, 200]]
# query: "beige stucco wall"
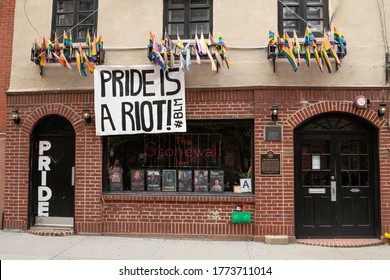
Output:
[[244, 24]]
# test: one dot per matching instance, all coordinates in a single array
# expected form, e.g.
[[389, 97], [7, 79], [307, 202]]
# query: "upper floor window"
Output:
[[76, 15], [186, 17], [298, 14]]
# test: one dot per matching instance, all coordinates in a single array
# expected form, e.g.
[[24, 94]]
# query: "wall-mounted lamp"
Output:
[[15, 116], [274, 112], [86, 115], [382, 109]]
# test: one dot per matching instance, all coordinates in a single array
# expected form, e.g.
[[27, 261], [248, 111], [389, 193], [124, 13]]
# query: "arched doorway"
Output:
[[336, 177], [51, 191]]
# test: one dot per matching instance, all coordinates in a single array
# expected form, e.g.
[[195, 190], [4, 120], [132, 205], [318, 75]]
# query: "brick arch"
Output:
[[53, 109], [330, 107]]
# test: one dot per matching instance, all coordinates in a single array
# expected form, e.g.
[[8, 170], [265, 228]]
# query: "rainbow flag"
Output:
[[150, 40], [42, 58], [59, 59], [308, 55], [88, 40], [44, 44], [224, 56], [221, 41], [66, 39], [271, 38], [329, 48], [290, 57], [249, 172], [94, 51], [287, 41], [70, 44], [56, 43], [90, 65], [297, 48], [99, 43], [80, 65], [62, 56], [309, 37], [325, 59], [280, 42], [50, 45], [35, 45], [317, 56], [62, 60], [338, 37]]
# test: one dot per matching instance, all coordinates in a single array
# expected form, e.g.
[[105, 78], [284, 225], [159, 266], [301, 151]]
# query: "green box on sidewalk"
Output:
[[241, 217]]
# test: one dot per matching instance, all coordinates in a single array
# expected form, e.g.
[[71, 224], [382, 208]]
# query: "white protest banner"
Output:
[[139, 99]]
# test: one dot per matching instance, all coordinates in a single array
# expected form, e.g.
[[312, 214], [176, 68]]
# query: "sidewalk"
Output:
[[18, 245]]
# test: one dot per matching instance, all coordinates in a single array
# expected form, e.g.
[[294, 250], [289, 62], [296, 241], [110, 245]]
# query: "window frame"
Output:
[[302, 12], [187, 22], [76, 14], [198, 127]]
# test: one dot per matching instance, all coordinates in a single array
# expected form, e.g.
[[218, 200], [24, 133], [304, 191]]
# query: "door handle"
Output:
[[333, 191], [72, 183]]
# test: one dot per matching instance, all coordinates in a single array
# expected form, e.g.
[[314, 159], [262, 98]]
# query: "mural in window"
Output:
[[211, 157]]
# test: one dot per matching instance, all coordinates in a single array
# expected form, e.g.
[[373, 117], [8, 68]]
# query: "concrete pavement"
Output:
[[19, 245]]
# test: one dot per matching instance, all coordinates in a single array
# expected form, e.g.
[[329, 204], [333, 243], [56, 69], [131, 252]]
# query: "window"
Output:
[[185, 17], [70, 13], [315, 12], [211, 157]]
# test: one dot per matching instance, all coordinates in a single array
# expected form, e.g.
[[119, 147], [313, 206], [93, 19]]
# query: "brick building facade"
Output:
[[333, 156], [7, 9]]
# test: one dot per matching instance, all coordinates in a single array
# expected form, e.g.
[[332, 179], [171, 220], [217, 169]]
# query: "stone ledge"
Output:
[[276, 239]]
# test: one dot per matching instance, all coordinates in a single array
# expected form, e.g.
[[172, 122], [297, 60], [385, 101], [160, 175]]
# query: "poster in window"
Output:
[[216, 181], [169, 180], [201, 179], [185, 180], [153, 180], [137, 180], [246, 185]]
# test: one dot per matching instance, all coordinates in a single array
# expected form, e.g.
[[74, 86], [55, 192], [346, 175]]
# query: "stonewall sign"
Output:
[[139, 99]]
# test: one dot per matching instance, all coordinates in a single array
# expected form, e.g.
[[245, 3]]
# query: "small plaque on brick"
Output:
[[273, 133], [270, 164]]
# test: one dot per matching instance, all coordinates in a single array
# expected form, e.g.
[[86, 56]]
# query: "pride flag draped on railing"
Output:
[[165, 52], [51, 51], [293, 50]]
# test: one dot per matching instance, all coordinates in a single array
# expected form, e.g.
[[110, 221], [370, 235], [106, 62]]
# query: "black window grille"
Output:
[[79, 16], [296, 15], [187, 17]]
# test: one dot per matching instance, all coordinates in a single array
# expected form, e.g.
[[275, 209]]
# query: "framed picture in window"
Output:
[[185, 180], [216, 181], [201, 180], [137, 180], [153, 180], [169, 180]]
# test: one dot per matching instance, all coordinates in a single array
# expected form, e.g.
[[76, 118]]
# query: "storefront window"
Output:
[[211, 157]]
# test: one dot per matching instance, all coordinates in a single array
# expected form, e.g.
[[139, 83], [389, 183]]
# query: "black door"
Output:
[[336, 179], [52, 184]]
